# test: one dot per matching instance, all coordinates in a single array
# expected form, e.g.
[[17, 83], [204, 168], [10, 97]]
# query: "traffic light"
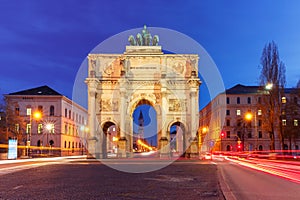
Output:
[[222, 134], [239, 146]]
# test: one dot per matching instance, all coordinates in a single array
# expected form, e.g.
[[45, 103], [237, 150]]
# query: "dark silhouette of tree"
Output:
[[272, 73], [12, 124]]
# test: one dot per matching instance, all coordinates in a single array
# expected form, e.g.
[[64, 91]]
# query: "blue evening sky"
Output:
[[45, 42]]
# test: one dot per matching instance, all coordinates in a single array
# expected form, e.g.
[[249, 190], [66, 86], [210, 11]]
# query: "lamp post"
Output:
[[49, 127], [248, 118], [36, 115]]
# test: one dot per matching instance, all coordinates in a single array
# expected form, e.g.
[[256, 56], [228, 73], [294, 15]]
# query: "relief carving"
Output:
[[175, 105], [108, 105]]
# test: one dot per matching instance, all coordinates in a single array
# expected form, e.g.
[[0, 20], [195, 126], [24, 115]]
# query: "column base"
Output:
[[122, 148], [164, 148]]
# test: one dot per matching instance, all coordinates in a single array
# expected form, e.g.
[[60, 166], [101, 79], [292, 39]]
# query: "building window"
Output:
[[17, 128], [284, 122], [260, 122], [227, 122], [227, 112], [259, 99], [66, 128], [238, 100], [228, 100], [40, 128], [259, 134], [239, 134], [28, 111], [249, 100], [51, 128], [259, 112], [66, 112], [69, 144], [228, 134], [28, 128], [51, 110], [283, 99], [249, 134], [295, 122], [40, 109], [70, 114], [295, 100], [238, 112], [65, 144], [17, 111]]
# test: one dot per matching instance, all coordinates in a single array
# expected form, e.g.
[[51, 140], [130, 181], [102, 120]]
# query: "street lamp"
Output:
[[269, 86], [49, 127], [248, 118], [36, 115]]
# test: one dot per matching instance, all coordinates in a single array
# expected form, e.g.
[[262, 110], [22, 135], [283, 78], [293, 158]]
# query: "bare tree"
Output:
[[272, 75], [13, 125]]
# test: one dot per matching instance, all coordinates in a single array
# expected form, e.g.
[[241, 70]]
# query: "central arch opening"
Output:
[[144, 138]]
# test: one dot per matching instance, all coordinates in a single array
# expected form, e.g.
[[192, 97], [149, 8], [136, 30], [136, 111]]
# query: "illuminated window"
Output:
[[295, 122], [28, 111], [284, 122], [17, 128], [40, 128], [28, 128], [51, 128], [283, 100], [259, 112], [238, 112]]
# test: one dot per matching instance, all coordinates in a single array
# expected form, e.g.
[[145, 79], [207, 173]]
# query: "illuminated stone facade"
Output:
[[118, 83]]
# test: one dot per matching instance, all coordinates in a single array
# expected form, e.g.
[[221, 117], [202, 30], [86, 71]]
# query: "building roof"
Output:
[[42, 90], [242, 89]]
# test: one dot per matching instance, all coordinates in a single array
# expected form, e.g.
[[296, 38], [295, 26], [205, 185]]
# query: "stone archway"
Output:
[[110, 138], [178, 137], [117, 83]]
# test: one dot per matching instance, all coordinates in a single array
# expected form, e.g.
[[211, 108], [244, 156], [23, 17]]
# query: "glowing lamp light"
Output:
[[248, 116], [269, 86], [37, 115], [49, 127]]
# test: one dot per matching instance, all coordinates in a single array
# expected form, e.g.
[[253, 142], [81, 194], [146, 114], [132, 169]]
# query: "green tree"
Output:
[[272, 75]]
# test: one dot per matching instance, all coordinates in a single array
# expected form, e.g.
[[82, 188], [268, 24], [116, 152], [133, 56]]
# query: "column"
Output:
[[164, 143], [93, 137], [194, 88], [122, 141]]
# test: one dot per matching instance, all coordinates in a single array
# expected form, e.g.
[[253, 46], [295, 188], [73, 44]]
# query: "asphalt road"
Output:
[[93, 180], [243, 183]]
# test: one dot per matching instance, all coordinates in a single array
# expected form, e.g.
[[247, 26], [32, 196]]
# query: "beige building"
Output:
[[48, 122], [234, 121]]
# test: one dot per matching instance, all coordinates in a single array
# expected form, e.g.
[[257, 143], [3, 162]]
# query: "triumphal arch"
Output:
[[143, 74]]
